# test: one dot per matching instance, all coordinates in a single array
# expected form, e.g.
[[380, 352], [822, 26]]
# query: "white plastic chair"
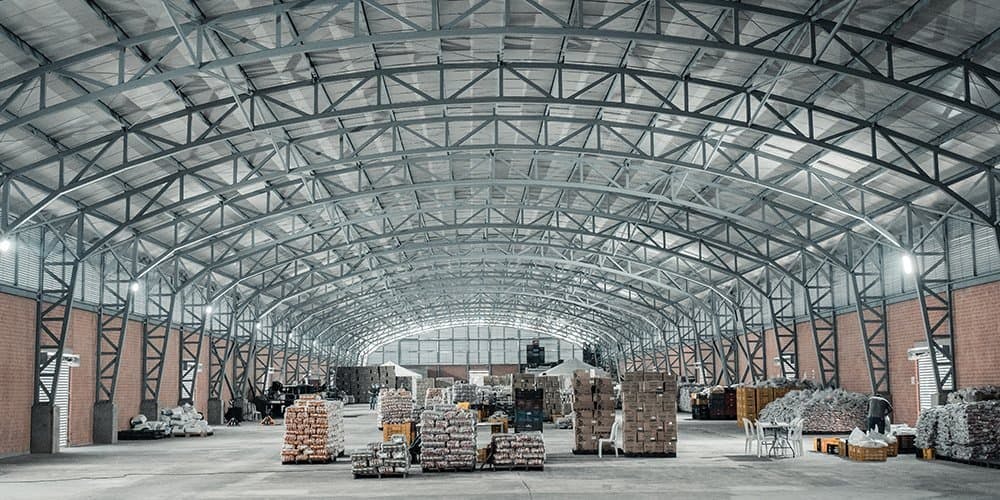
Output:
[[764, 441], [795, 435], [615, 439], [751, 434]]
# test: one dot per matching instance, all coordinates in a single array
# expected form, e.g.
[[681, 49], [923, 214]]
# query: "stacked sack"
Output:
[[396, 406], [684, 392], [963, 430], [463, 393], [314, 431], [824, 410], [434, 396], [524, 449], [448, 440], [185, 420]]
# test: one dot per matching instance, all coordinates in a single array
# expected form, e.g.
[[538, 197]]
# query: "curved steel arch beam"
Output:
[[328, 249], [908, 166], [394, 320], [475, 258], [253, 50], [756, 227], [531, 278]]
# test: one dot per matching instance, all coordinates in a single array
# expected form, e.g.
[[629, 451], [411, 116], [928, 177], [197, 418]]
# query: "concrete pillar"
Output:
[[44, 428], [105, 422], [150, 408], [215, 411]]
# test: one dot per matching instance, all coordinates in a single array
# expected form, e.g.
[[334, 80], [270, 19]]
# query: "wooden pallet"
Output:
[[310, 461], [518, 467], [977, 463], [585, 452], [192, 434], [651, 455], [435, 471]]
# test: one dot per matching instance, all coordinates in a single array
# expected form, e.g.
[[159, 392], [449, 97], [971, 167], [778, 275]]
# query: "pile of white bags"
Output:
[[824, 410], [185, 420]]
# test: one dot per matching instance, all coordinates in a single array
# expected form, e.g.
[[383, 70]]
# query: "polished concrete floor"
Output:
[[243, 462]]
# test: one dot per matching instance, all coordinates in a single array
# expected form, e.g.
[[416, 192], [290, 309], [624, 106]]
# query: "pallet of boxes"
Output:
[[524, 451], [357, 381], [551, 397], [594, 411], [314, 431], [649, 412]]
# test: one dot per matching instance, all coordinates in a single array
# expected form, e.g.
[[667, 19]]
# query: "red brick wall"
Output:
[[128, 394], [17, 336], [905, 329], [851, 355], [977, 341], [201, 379], [82, 340]]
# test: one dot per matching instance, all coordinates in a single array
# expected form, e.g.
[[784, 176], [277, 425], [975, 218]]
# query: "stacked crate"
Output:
[[357, 380], [528, 414], [396, 406], [463, 393], [524, 381], [314, 431], [649, 409], [551, 397], [594, 407], [746, 404]]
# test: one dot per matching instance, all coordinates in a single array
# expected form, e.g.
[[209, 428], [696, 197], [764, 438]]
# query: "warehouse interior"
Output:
[[499, 248]]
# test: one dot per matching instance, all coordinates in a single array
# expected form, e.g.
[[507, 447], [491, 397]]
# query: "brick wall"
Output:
[[17, 336], [128, 394], [82, 340], [977, 320]]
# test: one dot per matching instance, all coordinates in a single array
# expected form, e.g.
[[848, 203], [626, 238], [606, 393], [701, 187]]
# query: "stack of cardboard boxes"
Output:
[[357, 380], [523, 381], [594, 406], [649, 410], [551, 397]]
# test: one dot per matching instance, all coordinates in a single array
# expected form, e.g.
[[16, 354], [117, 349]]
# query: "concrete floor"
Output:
[[243, 462]]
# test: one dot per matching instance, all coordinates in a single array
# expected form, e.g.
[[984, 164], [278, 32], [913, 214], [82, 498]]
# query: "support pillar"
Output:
[[105, 427], [215, 412], [44, 428]]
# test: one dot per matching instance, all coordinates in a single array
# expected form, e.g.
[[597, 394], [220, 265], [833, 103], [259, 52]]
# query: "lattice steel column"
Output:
[[192, 335], [156, 327], [818, 278], [59, 267], [243, 335], [704, 346], [727, 342], [750, 315], [868, 285], [116, 297], [781, 299], [932, 273], [218, 320]]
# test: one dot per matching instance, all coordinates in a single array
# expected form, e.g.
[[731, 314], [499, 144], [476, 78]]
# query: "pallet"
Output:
[[192, 434], [435, 471], [977, 463], [517, 467], [585, 452], [310, 461], [380, 475], [651, 455]]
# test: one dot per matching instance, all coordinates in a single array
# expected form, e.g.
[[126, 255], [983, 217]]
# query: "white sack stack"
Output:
[[448, 440], [396, 406], [314, 431], [966, 429]]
